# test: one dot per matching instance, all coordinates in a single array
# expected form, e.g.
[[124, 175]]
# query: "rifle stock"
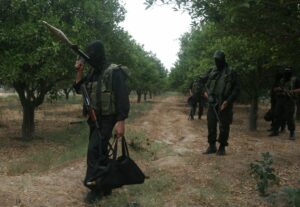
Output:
[[87, 102]]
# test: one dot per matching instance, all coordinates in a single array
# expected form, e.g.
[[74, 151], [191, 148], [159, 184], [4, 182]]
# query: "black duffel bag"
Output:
[[120, 170]]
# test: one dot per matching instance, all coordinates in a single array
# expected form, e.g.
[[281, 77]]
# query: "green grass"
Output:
[[149, 194], [146, 149], [77, 99], [65, 145], [71, 144], [171, 93], [138, 109]]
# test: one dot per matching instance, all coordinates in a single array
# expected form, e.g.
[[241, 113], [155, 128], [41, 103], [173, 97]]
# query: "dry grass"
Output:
[[164, 143]]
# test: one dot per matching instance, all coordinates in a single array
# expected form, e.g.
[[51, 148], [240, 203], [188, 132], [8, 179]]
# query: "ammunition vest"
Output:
[[291, 84], [219, 84], [101, 91], [197, 87], [287, 86]]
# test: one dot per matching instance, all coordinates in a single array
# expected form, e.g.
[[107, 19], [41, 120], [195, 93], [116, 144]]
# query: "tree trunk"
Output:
[[150, 94], [139, 96], [253, 113], [28, 122], [145, 96], [30, 99]]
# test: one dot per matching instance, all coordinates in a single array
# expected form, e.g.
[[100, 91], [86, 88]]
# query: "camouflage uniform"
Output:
[[285, 107], [197, 89], [222, 85]]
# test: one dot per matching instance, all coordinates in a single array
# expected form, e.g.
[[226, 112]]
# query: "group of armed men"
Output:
[[220, 88]]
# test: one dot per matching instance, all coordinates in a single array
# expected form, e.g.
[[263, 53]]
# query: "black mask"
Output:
[[287, 75], [96, 52], [220, 63]]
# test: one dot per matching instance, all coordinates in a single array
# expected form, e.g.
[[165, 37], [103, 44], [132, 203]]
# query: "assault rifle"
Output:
[[57, 33], [214, 102], [285, 92]]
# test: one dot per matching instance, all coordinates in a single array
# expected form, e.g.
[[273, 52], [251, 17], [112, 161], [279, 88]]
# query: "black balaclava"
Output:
[[220, 62], [288, 72], [96, 52]]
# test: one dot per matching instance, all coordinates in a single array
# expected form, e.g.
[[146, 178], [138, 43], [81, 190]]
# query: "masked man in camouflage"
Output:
[[196, 91], [222, 91], [109, 97], [285, 107]]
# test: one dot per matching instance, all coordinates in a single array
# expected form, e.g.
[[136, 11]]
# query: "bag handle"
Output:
[[115, 148], [125, 151], [124, 147]]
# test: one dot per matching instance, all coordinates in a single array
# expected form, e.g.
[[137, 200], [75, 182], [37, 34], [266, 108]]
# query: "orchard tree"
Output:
[[256, 35], [31, 61]]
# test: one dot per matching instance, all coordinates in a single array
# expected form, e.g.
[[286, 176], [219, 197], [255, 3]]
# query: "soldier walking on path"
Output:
[[222, 91], [196, 98], [285, 106]]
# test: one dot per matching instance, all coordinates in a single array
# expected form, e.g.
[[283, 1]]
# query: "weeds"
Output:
[[137, 110], [263, 173], [70, 143], [148, 194], [137, 140], [287, 196], [145, 148], [64, 145]]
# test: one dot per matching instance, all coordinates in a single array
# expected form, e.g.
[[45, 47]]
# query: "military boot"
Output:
[[93, 196], [221, 151], [211, 149], [292, 135], [107, 192]]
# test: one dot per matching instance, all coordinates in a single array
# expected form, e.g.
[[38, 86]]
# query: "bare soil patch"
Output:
[[198, 180]]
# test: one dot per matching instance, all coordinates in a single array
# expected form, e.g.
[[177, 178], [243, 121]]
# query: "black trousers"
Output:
[[273, 111], [97, 154], [284, 111], [197, 102], [225, 117]]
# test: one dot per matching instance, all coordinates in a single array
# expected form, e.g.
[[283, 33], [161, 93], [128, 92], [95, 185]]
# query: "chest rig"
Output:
[[102, 92], [219, 83]]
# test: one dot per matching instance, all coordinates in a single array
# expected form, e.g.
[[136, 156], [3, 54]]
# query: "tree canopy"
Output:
[[34, 63], [258, 37]]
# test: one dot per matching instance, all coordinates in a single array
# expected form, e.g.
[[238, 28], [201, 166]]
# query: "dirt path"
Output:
[[203, 180], [199, 180]]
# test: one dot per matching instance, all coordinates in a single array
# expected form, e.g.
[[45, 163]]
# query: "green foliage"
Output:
[[258, 37], [72, 144], [148, 194], [36, 64], [287, 196], [263, 173], [292, 195]]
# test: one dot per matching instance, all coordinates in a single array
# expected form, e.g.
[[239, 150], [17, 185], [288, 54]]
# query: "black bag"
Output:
[[120, 170], [132, 174]]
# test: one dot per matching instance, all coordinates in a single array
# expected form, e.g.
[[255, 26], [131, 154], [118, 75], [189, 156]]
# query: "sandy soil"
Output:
[[201, 180]]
